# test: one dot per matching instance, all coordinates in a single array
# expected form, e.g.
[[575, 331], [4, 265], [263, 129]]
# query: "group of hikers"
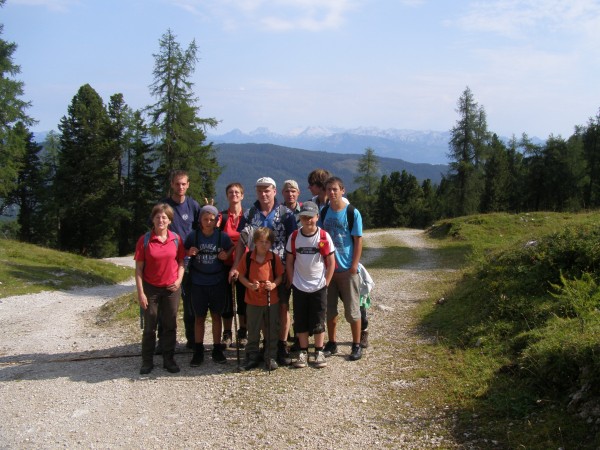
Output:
[[246, 265]]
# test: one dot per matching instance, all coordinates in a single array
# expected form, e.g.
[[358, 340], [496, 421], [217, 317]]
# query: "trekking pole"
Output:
[[141, 318], [235, 321], [268, 331]]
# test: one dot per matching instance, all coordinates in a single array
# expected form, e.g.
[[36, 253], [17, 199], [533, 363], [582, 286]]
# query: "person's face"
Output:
[[309, 222], [160, 221], [262, 246], [290, 196], [334, 192], [234, 195], [180, 185], [208, 222], [314, 189], [265, 194]]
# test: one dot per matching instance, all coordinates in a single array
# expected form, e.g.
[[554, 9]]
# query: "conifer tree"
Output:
[[12, 110], [86, 180], [175, 121], [468, 140]]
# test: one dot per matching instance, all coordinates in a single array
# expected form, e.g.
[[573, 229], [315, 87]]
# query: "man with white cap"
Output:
[[268, 212]]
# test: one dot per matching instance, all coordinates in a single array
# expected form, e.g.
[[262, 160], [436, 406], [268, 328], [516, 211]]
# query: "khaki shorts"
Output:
[[344, 285]]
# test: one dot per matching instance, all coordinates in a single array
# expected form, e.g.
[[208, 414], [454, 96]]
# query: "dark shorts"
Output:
[[209, 297], [309, 311]]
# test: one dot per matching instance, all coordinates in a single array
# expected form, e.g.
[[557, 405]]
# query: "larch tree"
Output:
[[468, 140], [175, 120]]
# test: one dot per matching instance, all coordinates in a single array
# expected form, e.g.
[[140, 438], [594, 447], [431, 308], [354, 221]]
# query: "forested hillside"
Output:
[[247, 162]]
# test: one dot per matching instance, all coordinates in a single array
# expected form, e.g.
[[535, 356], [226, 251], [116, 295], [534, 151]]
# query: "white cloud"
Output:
[[274, 15], [53, 5], [521, 18]]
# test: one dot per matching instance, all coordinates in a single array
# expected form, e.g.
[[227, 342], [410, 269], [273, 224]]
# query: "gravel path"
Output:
[[66, 381]]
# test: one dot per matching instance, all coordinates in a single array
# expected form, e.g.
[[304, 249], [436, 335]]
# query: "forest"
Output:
[[89, 187]]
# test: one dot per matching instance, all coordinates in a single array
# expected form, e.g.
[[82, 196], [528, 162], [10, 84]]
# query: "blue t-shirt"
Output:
[[206, 269], [184, 215], [336, 224]]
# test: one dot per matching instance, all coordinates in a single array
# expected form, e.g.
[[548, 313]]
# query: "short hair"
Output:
[[179, 173], [265, 233], [234, 184], [337, 180], [318, 177], [162, 208]]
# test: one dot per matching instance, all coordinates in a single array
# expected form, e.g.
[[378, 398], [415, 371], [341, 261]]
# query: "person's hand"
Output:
[[211, 202], [353, 270], [233, 275], [255, 286], [143, 301], [173, 287], [192, 251], [222, 255]]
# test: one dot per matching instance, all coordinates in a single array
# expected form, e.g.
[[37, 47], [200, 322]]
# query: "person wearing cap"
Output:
[[185, 213], [310, 264], [268, 212], [208, 249]]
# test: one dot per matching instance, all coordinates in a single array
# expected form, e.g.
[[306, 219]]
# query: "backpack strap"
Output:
[[349, 215], [293, 242], [224, 219], [249, 261]]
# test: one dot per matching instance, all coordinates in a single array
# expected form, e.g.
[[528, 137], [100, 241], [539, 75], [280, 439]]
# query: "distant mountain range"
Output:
[[409, 145]]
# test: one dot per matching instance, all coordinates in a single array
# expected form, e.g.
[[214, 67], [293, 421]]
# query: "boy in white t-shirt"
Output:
[[310, 263]]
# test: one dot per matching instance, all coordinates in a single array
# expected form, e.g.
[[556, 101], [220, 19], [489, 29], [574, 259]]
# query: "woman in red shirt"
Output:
[[229, 222], [159, 270]]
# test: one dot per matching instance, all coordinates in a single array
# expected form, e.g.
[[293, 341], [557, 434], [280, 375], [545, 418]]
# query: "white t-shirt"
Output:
[[309, 266]]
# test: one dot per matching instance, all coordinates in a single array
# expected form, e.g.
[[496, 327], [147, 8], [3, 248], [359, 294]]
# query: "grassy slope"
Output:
[[26, 268], [507, 355]]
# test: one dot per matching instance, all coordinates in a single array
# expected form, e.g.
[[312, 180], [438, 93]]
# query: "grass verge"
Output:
[[27, 269]]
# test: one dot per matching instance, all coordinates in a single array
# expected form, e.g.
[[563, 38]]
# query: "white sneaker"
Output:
[[320, 361], [300, 363]]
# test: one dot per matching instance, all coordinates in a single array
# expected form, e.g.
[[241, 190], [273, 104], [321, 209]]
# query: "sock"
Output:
[[318, 349]]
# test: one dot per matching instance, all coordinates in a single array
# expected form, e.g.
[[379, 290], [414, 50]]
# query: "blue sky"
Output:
[[287, 64]]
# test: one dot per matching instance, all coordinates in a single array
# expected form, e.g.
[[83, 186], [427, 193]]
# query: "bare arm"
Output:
[[357, 253]]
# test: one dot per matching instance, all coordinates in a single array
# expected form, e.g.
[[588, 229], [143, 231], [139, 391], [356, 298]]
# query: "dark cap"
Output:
[[309, 209]]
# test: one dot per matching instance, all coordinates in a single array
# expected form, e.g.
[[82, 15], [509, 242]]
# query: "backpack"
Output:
[[349, 215], [249, 261], [324, 249]]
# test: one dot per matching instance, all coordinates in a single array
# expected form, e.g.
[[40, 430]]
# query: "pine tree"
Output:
[[497, 178], [591, 151], [468, 140], [12, 111], [86, 180], [175, 121]]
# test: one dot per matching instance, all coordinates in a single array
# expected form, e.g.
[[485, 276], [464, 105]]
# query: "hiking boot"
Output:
[[251, 363], [146, 368], [330, 349], [300, 363], [198, 357], [356, 352], [271, 365], [295, 348], [364, 339], [242, 335], [320, 361], [227, 338], [283, 355], [170, 364], [217, 354]]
